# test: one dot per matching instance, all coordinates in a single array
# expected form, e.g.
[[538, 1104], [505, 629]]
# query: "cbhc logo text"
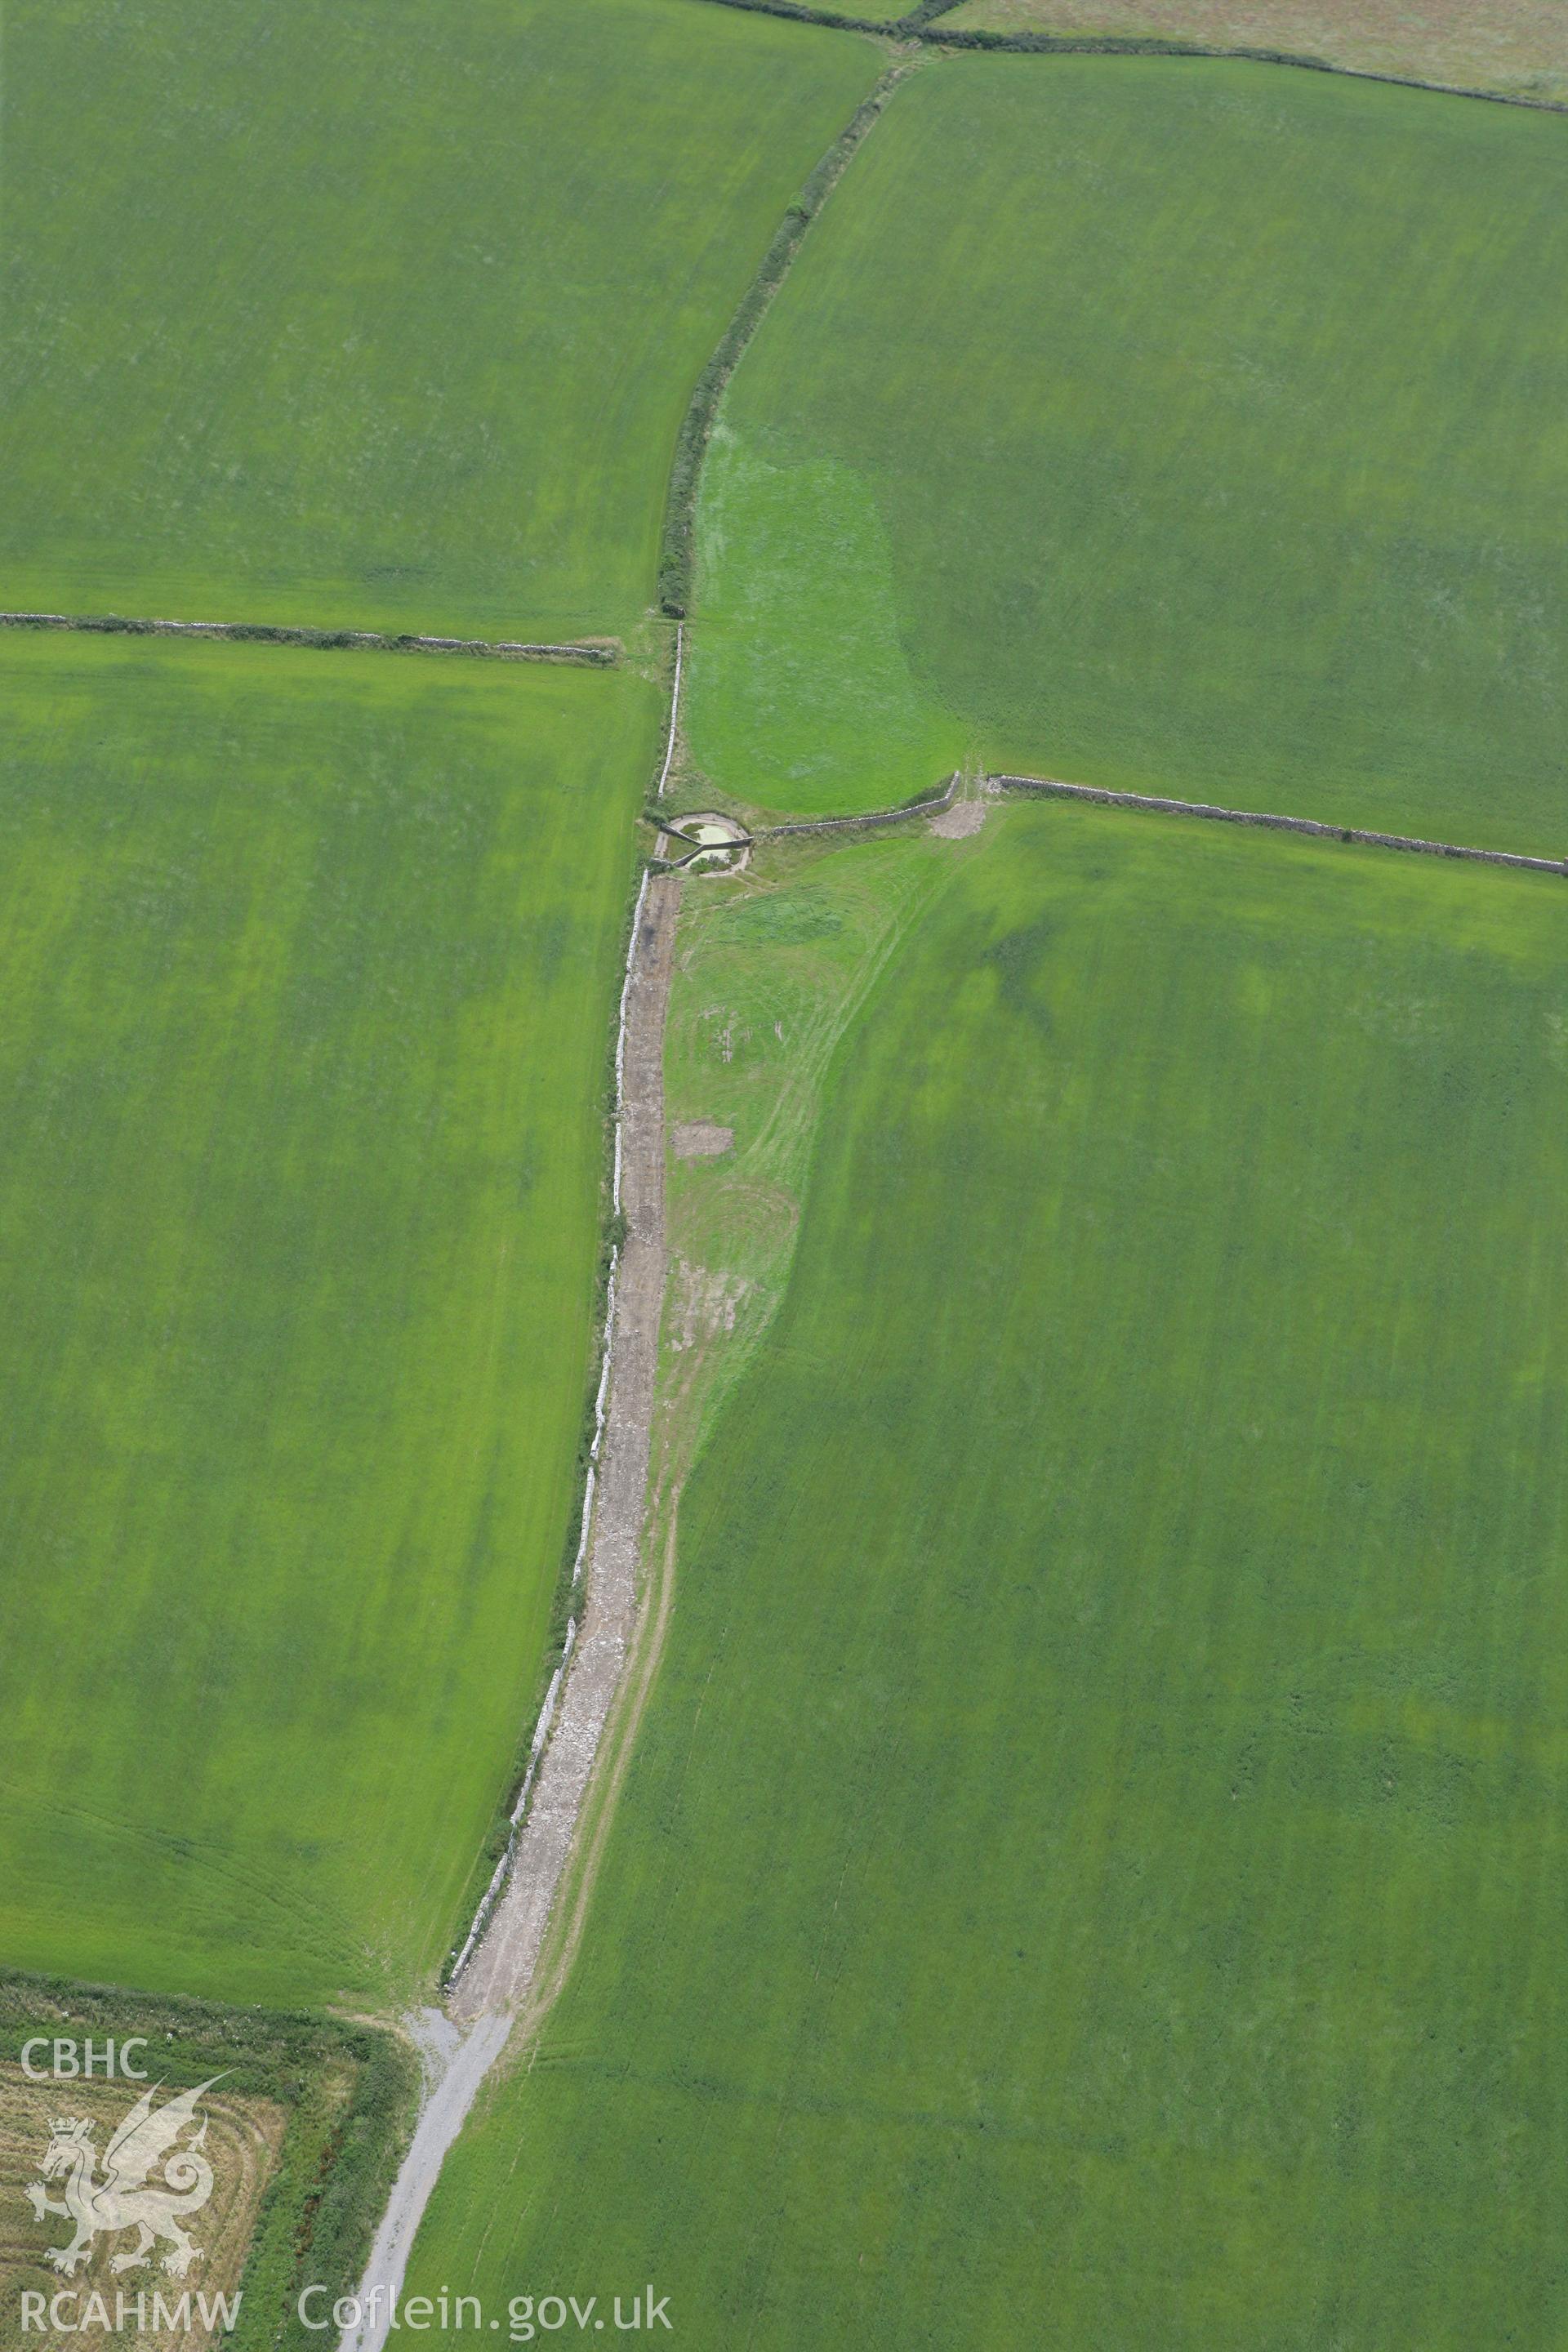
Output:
[[72, 2061]]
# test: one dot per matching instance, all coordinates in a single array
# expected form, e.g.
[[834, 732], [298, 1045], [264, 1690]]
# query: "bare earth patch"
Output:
[[702, 1305], [700, 1139], [243, 2139], [1519, 47], [963, 818]]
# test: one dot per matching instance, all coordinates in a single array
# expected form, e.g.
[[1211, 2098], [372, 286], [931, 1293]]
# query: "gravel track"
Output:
[[498, 1976], [496, 1984]]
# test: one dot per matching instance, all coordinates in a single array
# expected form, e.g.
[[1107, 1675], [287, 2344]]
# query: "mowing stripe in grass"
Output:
[[598, 653], [1151, 803]]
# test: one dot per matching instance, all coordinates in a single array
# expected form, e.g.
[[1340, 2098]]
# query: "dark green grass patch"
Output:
[[366, 314], [309, 966], [1093, 1872], [1180, 426]]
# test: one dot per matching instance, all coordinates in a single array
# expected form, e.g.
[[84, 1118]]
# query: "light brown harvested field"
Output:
[[244, 2136], [1520, 46]]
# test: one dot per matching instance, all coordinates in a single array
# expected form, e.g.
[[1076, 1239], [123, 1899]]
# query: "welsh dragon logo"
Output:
[[127, 2197]]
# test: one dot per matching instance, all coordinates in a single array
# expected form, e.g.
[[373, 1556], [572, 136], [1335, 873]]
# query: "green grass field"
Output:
[[355, 314], [1186, 427], [309, 963], [1090, 1875]]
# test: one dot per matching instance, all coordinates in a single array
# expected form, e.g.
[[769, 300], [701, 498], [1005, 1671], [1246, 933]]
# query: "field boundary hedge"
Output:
[[747, 839], [592, 653], [492, 1867], [921, 23], [675, 554], [1151, 804], [862, 822], [1130, 45], [834, 18]]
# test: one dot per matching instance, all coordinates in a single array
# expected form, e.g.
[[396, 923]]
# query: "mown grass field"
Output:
[[359, 314], [1179, 425], [1518, 47], [772, 967], [309, 966], [1092, 1870]]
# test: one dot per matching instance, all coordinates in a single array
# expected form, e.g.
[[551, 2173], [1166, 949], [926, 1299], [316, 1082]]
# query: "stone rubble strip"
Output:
[[503, 1868], [540, 1734], [595, 654], [605, 1370], [588, 1486], [501, 1972], [872, 817], [674, 707], [498, 1973], [1158, 807], [748, 840], [621, 1073]]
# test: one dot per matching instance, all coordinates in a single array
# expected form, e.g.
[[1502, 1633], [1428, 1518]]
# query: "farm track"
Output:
[[498, 1976], [499, 1986], [1151, 804], [495, 1985], [501, 1990], [497, 1973], [591, 653]]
